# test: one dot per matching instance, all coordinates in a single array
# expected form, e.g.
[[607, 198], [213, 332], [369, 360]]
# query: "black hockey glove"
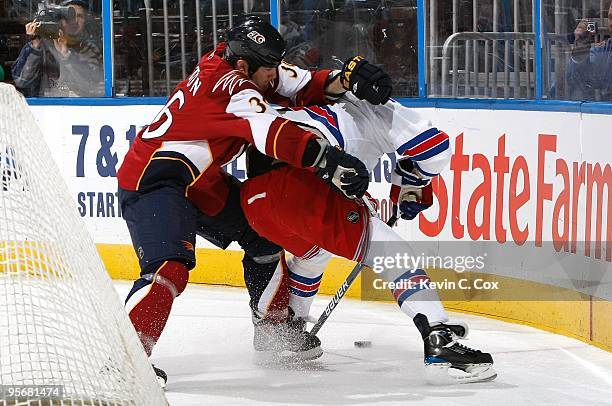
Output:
[[258, 163], [367, 81], [343, 172]]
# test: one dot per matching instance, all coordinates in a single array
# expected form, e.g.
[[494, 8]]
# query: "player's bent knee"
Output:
[[172, 276], [316, 258], [267, 258], [259, 249]]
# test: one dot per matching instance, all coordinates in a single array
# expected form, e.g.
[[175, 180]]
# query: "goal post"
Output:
[[65, 337]]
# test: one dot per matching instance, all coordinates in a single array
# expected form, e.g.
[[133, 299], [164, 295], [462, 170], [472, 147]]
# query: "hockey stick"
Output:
[[349, 279], [393, 219], [336, 299]]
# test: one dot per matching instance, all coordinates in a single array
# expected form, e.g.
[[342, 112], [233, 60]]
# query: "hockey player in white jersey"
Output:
[[310, 220]]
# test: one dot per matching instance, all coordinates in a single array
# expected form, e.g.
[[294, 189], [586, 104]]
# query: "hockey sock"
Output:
[[411, 288], [150, 300], [305, 275]]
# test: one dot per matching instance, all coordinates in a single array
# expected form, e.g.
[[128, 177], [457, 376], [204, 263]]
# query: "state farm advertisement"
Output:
[[531, 190]]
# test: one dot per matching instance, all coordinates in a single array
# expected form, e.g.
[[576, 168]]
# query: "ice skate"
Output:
[[162, 377], [276, 342], [449, 362]]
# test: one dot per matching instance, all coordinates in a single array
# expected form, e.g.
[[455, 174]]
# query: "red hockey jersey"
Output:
[[209, 120]]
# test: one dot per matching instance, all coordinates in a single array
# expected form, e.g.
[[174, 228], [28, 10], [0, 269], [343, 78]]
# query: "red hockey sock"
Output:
[[153, 301]]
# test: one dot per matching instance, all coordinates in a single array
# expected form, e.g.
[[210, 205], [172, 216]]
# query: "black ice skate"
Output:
[[276, 342], [162, 377], [443, 352]]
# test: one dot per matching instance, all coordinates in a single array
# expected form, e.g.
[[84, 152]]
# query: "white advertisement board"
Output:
[[516, 179]]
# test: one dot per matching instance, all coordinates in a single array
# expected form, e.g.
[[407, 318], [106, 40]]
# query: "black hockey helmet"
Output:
[[255, 41]]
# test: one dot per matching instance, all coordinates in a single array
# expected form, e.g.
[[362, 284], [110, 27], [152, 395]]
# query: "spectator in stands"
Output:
[[69, 65], [589, 69], [3, 57]]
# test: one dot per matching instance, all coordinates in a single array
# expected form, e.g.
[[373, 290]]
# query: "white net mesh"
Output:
[[61, 321]]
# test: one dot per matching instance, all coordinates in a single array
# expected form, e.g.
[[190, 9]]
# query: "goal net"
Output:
[[65, 338]]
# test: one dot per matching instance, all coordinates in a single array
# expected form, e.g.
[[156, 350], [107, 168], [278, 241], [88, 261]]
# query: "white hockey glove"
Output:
[[411, 190]]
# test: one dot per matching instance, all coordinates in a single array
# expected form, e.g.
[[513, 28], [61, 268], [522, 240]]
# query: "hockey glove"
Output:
[[343, 172], [411, 191], [258, 163], [367, 81], [415, 202]]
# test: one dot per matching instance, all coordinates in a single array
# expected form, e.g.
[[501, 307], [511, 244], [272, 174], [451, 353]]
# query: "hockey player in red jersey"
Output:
[[172, 185], [294, 208]]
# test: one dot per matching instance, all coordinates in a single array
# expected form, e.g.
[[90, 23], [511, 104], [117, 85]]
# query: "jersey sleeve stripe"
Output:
[[426, 145], [432, 152], [424, 136], [278, 131], [329, 120], [286, 141]]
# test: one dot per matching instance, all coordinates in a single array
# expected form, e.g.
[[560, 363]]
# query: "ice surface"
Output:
[[206, 351]]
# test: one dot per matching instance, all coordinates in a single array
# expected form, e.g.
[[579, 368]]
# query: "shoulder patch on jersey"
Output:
[[289, 69], [231, 81]]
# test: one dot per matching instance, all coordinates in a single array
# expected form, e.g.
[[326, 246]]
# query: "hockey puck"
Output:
[[363, 344]]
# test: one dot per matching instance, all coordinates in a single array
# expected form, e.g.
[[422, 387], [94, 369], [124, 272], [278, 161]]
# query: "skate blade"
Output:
[[286, 357], [444, 374]]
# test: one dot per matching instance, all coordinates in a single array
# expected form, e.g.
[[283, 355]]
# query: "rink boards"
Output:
[[535, 184]]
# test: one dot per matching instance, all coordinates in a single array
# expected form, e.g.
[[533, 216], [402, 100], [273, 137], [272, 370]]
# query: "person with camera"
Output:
[[61, 59], [589, 68]]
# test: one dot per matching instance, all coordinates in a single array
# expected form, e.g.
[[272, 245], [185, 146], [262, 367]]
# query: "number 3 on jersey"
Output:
[[163, 120]]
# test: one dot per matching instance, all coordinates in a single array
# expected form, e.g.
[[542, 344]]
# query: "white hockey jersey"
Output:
[[367, 131]]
